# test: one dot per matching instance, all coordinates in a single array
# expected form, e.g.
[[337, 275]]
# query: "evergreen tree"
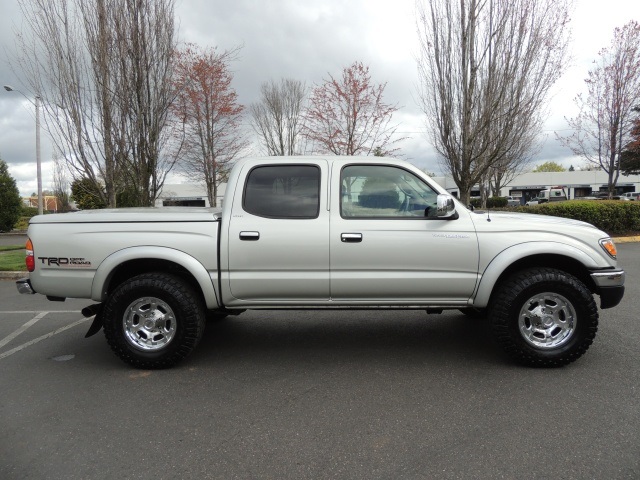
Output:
[[10, 201], [87, 194]]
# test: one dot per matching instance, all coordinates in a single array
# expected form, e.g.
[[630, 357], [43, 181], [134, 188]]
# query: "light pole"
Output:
[[9, 88]]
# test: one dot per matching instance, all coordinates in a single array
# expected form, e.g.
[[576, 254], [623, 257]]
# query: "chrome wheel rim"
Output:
[[149, 324], [547, 320]]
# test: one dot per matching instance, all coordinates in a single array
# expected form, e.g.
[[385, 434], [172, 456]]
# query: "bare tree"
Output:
[[502, 172], [630, 156], [277, 117], [499, 175], [603, 127], [485, 68], [61, 185], [589, 167], [103, 69], [207, 107], [144, 32], [348, 116]]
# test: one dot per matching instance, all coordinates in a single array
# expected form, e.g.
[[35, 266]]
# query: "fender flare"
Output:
[[509, 256], [105, 270]]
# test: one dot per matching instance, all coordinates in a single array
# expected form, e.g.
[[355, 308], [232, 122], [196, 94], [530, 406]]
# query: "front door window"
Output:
[[380, 191]]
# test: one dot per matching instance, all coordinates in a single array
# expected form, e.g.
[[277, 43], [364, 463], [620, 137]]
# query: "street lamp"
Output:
[[9, 88]]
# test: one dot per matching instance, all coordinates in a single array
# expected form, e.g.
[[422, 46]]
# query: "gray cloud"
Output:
[[306, 41]]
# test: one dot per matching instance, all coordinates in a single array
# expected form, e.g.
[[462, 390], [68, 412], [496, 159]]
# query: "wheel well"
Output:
[[132, 268], [559, 262]]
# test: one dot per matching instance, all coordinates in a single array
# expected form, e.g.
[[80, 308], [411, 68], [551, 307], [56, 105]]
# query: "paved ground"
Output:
[[316, 395], [12, 239]]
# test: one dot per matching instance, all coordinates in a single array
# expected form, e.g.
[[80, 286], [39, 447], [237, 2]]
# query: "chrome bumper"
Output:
[[608, 278], [610, 287], [24, 286]]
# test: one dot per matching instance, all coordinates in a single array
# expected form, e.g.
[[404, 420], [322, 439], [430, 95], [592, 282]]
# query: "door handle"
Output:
[[250, 236], [351, 237]]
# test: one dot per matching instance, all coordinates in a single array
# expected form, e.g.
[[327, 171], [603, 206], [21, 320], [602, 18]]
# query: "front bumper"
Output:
[[610, 287], [24, 286]]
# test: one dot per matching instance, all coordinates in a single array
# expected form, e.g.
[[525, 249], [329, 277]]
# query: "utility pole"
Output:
[[9, 88]]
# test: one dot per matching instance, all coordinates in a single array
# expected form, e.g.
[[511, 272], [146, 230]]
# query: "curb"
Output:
[[13, 275], [626, 239]]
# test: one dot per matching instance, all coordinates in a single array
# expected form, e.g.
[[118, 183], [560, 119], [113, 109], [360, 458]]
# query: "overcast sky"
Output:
[[306, 40]]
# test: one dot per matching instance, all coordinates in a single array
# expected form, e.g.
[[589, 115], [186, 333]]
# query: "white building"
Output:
[[577, 184], [187, 195]]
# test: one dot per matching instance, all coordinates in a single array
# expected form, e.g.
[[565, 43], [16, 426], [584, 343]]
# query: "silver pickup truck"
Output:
[[325, 233]]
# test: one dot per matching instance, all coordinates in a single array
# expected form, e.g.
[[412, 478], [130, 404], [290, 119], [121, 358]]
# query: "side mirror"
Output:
[[446, 206]]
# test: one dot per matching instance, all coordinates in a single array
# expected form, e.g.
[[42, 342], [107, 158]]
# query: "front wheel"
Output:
[[153, 320], [544, 317]]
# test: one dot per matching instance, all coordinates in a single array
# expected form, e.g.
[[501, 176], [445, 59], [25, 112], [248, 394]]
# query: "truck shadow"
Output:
[[327, 337]]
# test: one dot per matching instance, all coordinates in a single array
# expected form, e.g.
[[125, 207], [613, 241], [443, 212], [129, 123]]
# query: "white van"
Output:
[[553, 194]]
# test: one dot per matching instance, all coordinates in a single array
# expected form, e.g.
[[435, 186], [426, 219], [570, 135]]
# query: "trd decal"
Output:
[[65, 262]]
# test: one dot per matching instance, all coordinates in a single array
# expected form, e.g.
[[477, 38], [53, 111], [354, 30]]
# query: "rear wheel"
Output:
[[544, 317], [153, 320]]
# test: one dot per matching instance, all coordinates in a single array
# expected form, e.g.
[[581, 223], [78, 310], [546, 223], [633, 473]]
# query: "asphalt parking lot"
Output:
[[13, 239], [316, 395]]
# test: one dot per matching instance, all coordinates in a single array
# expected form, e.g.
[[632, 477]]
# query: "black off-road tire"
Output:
[[575, 318], [153, 297]]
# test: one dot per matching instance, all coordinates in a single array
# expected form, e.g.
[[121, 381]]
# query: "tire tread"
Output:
[[191, 321], [501, 314]]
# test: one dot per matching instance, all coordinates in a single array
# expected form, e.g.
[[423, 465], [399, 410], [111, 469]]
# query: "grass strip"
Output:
[[6, 248], [13, 261]]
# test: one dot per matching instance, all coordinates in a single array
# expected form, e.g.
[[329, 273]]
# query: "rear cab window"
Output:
[[283, 191]]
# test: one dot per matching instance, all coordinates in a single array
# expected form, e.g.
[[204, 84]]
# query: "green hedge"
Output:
[[496, 202], [29, 211], [492, 202], [23, 223], [25, 215], [612, 216]]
